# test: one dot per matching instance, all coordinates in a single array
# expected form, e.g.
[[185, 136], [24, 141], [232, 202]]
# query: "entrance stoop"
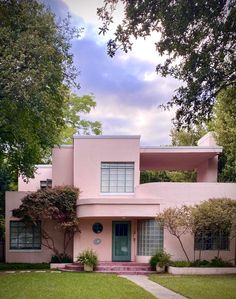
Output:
[[122, 268]]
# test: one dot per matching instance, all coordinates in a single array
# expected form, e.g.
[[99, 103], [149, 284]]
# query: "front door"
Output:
[[121, 245]]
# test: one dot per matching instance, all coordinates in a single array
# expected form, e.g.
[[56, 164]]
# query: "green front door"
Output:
[[121, 245]]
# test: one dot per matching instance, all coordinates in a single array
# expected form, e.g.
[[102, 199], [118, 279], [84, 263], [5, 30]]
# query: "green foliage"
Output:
[[88, 257], [57, 204], [224, 124], [23, 266], [217, 214], [215, 262], [35, 61], [197, 39], [150, 176], [180, 264], [63, 258], [73, 106], [187, 137], [161, 258]]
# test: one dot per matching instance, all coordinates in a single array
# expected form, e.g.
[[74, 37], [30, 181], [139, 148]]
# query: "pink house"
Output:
[[116, 212]]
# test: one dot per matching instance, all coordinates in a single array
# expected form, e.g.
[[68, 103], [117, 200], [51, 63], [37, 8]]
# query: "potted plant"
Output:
[[159, 261], [88, 258]]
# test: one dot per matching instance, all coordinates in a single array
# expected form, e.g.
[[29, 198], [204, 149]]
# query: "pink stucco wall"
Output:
[[62, 167], [85, 238], [13, 200], [89, 152], [42, 173]]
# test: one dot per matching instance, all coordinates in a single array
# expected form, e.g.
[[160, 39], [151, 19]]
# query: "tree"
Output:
[[35, 61], [217, 215], [198, 39], [187, 137], [224, 124], [57, 204], [178, 221], [73, 106]]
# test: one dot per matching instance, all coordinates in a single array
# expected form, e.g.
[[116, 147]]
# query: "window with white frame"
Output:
[[25, 236], [117, 177]]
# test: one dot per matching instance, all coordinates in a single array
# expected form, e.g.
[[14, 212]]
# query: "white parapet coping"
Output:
[[201, 270], [59, 265]]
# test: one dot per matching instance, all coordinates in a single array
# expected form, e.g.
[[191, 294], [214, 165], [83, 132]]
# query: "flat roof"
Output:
[[180, 149], [106, 136]]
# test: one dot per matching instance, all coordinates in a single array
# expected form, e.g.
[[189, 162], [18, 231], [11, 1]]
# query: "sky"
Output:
[[127, 89]]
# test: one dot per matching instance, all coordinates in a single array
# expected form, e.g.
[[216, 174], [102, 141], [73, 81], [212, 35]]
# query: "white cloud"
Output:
[[152, 124]]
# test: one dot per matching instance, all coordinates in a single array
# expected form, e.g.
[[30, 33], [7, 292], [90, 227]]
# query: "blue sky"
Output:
[[126, 88]]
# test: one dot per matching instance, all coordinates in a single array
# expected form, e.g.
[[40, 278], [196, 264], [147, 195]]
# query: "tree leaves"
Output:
[[35, 60]]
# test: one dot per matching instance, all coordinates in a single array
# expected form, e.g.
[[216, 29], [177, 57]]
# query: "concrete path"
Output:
[[152, 287]]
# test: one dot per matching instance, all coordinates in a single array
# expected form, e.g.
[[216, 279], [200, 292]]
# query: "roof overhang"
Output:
[[176, 158]]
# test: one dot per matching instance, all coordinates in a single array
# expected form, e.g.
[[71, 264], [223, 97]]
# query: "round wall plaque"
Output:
[[97, 241]]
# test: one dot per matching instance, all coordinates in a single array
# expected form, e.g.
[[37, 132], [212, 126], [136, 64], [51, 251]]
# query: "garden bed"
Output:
[[201, 270]]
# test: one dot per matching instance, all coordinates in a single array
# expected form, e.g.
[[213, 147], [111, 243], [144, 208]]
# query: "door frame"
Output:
[[128, 259]]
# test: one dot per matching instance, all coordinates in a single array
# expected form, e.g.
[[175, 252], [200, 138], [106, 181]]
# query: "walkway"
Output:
[[152, 287]]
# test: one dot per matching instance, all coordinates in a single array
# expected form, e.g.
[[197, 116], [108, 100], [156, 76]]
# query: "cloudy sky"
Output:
[[126, 88]]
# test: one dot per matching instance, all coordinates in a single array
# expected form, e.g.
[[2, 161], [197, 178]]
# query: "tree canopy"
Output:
[[198, 39], [57, 204], [73, 107], [224, 125], [35, 61]]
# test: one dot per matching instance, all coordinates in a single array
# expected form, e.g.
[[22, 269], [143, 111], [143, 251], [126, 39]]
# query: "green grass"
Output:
[[23, 266], [68, 285], [200, 287]]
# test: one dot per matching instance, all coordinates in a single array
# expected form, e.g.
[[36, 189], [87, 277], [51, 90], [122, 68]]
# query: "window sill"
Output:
[[24, 250], [117, 194]]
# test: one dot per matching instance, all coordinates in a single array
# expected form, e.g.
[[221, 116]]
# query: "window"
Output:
[[211, 241], [46, 184], [117, 177], [97, 228], [150, 237], [23, 236]]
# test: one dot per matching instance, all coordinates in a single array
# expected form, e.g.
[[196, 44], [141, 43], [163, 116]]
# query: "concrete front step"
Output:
[[114, 267]]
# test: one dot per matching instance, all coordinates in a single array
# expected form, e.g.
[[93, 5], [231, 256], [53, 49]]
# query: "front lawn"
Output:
[[68, 285], [196, 287]]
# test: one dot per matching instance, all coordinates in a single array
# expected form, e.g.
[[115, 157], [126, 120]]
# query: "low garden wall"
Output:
[[59, 265], [201, 270]]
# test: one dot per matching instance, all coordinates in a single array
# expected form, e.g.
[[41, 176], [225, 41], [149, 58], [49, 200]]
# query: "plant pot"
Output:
[[160, 269], [88, 268]]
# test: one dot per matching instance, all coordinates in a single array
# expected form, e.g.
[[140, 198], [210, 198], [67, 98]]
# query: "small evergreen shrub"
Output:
[[23, 266], [161, 258], [63, 258]]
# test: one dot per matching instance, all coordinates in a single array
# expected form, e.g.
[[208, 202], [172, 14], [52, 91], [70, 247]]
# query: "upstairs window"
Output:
[[46, 184], [211, 241], [117, 177]]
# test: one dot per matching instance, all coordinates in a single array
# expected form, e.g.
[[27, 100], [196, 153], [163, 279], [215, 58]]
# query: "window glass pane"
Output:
[[150, 237], [117, 177], [211, 241], [24, 236]]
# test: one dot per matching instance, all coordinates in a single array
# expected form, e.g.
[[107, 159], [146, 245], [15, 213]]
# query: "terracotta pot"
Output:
[[160, 269], [88, 268]]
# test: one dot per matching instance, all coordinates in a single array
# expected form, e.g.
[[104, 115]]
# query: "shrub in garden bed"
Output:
[[23, 266], [216, 262]]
